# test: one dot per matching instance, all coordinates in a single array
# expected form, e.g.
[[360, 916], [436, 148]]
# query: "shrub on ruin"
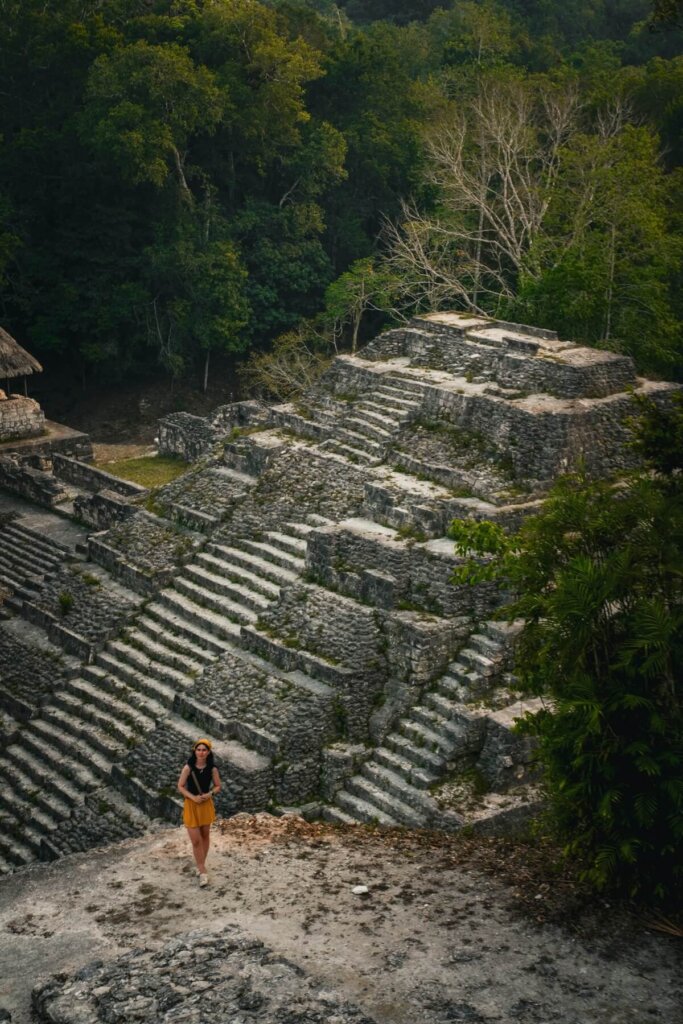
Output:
[[597, 578]]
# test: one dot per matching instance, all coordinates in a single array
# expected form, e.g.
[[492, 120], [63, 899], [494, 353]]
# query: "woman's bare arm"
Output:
[[216, 779], [183, 789]]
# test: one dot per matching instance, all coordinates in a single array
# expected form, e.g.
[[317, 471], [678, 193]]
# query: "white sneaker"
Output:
[[203, 880]]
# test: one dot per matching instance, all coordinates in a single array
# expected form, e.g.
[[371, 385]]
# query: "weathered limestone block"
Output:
[[103, 509], [506, 755], [339, 762], [419, 646]]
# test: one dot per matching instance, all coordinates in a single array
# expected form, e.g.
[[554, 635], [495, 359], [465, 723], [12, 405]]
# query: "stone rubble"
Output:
[[196, 979]]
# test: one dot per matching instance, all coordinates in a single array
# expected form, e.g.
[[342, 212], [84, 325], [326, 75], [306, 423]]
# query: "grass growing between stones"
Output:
[[148, 470]]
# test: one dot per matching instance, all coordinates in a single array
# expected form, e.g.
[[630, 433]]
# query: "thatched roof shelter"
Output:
[[15, 361]]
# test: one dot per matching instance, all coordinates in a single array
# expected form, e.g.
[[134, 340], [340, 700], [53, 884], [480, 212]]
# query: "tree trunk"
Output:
[[610, 284], [206, 369]]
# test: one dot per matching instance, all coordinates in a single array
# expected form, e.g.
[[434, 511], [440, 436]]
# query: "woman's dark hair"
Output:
[[192, 760]]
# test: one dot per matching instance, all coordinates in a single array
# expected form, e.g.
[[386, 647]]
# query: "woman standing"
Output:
[[199, 782]]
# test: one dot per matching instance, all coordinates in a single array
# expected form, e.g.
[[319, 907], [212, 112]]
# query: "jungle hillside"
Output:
[[185, 180]]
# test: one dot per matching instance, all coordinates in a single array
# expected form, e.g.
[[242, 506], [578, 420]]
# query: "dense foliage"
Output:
[[598, 581], [180, 177]]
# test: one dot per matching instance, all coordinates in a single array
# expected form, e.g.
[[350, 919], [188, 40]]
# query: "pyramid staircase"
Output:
[[67, 753], [436, 736], [373, 422], [26, 559]]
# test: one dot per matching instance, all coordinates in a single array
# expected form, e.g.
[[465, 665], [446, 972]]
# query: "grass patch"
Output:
[[148, 470]]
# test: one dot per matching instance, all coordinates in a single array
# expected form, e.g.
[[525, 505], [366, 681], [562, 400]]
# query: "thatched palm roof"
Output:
[[15, 361]]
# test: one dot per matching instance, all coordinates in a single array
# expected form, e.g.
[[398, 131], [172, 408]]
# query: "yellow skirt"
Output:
[[195, 815]]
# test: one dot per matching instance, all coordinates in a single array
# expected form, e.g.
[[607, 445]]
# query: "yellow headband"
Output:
[[207, 743]]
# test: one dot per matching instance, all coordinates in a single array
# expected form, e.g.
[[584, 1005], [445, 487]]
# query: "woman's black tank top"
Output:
[[203, 776]]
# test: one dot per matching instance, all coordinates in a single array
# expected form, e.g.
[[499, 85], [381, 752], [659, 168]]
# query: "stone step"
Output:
[[404, 384], [237, 592], [38, 542], [375, 791], [238, 574], [114, 726], [24, 567], [14, 779], [456, 689], [216, 603], [157, 651], [486, 645], [48, 743], [295, 677], [174, 643], [189, 614], [22, 559], [103, 696], [24, 810], [301, 530], [503, 632], [473, 659], [140, 661], [370, 428], [13, 579], [273, 649], [174, 621], [418, 777], [361, 441], [51, 787], [446, 706], [81, 739], [15, 851], [423, 737], [316, 521], [335, 816], [383, 415], [348, 452], [452, 732], [385, 394], [292, 544], [149, 695], [254, 562], [118, 802], [361, 810], [294, 564], [420, 756]]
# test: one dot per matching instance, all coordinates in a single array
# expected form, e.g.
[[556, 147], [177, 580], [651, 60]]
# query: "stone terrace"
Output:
[[291, 596]]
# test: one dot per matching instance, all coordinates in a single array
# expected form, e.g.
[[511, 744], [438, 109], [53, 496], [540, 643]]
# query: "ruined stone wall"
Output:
[[92, 479], [378, 567], [542, 366], [20, 417], [187, 436], [38, 485], [540, 437], [342, 633], [102, 510], [148, 775], [270, 713], [299, 482]]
